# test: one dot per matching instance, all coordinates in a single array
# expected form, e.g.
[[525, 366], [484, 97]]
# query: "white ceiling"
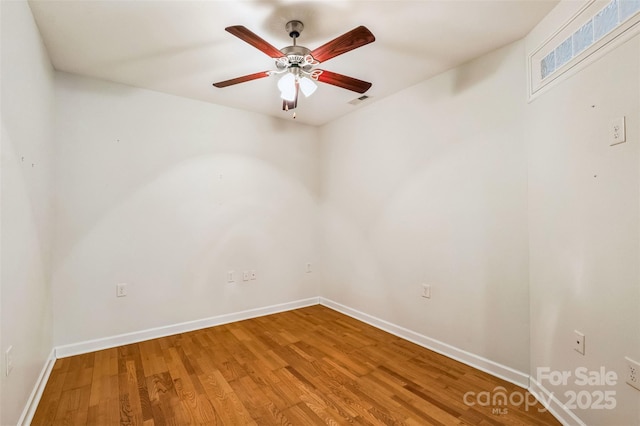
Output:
[[180, 47]]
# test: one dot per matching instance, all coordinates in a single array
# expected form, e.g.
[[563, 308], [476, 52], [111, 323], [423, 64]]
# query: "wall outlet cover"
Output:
[[8, 360], [426, 291], [617, 131], [578, 342], [121, 290], [632, 376]]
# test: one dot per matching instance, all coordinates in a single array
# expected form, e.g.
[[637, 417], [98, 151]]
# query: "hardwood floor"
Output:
[[303, 367]]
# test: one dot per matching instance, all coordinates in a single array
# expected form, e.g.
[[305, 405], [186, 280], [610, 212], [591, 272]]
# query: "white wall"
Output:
[[584, 225], [168, 194], [429, 186], [27, 127]]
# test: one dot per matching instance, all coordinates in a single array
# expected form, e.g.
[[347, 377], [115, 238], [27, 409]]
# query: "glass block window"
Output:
[[583, 38], [549, 63], [628, 8], [605, 20], [602, 23], [564, 52]]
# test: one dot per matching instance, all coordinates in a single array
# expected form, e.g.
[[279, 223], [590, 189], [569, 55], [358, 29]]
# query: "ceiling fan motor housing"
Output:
[[295, 56]]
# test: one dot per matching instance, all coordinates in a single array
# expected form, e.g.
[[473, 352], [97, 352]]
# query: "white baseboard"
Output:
[[502, 371], [154, 333], [38, 389], [555, 407]]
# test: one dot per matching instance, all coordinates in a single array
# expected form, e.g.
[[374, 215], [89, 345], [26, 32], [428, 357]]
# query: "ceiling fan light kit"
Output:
[[297, 63]]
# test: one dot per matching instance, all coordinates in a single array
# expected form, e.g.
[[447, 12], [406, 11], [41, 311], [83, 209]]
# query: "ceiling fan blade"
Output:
[[355, 38], [253, 39], [242, 79], [343, 81]]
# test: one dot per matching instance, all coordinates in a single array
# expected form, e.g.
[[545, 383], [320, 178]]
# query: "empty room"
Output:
[[320, 212]]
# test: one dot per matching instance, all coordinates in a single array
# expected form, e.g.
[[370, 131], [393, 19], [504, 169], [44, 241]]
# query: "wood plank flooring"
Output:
[[303, 367]]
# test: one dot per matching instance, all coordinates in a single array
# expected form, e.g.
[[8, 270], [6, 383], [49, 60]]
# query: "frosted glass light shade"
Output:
[[307, 86], [287, 86]]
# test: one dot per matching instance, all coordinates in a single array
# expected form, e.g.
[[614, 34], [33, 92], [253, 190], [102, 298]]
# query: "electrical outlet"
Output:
[[230, 278], [8, 360], [633, 373], [308, 268], [617, 131], [426, 291], [246, 275], [578, 342], [253, 274], [121, 290]]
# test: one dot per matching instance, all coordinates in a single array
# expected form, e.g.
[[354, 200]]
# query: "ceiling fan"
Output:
[[297, 64]]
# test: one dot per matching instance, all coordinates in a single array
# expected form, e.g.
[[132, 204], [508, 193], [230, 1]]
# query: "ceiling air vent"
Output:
[[359, 100]]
